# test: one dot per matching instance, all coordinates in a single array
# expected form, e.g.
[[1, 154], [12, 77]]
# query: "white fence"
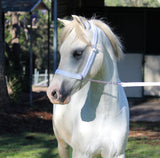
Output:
[[41, 79]]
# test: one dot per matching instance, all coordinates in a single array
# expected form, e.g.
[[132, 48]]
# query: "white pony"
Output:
[[90, 117]]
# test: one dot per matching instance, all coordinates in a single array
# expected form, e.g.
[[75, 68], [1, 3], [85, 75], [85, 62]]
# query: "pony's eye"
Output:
[[77, 54]]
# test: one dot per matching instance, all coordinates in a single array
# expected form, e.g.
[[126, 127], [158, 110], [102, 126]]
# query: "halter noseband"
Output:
[[83, 74]]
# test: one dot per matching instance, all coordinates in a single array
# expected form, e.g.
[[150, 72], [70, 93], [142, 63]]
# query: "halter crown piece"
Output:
[[83, 74]]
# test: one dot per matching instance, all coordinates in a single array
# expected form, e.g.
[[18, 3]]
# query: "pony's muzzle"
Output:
[[58, 96]]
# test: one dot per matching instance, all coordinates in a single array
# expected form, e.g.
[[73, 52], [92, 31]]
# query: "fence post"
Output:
[[36, 76], [35, 71], [45, 76]]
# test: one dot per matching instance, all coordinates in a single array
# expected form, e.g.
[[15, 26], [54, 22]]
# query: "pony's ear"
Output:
[[80, 20], [64, 22]]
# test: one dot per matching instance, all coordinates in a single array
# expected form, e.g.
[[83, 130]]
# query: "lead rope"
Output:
[[126, 84]]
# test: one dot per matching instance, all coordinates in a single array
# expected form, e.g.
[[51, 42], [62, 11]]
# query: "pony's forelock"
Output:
[[73, 25]]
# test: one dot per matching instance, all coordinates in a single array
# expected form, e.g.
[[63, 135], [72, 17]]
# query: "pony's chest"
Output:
[[62, 123], [95, 136]]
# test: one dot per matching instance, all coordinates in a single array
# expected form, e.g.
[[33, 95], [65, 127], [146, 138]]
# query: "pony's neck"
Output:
[[109, 98], [99, 100], [106, 94]]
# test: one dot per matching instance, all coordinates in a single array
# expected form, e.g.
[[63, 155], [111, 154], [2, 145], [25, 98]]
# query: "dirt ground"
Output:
[[147, 110], [38, 117]]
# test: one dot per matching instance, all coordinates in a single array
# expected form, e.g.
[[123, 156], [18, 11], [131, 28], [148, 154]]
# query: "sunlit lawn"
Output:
[[143, 148], [40, 145]]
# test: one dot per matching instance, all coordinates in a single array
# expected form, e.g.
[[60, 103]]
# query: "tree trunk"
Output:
[[4, 97], [15, 42], [16, 76]]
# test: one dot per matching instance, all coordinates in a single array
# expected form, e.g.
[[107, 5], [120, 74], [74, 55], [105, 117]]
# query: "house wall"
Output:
[[130, 70], [152, 74], [92, 3], [69, 7]]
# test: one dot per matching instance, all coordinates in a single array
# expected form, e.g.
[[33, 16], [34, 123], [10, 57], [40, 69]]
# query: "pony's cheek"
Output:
[[96, 67]]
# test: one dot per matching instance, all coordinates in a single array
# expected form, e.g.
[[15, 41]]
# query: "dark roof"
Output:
[[23, 5]]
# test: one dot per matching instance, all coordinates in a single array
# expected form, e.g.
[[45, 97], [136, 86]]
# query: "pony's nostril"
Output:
[[54, 94]]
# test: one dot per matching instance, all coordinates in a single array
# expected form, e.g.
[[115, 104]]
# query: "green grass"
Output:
[[28, 145], [143, 148], [40, 145]]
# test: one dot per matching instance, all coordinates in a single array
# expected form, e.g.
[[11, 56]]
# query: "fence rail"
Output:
[[41, 79]]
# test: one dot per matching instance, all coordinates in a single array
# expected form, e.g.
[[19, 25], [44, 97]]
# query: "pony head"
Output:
[[77, 40]]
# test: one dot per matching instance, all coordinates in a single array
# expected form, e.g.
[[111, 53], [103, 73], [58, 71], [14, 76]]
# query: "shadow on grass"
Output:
[[27, 137], [28, 145], [145, 126]]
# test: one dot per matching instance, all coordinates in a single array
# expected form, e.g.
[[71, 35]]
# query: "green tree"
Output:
[[17, 38], [13, 56], [133, 3]]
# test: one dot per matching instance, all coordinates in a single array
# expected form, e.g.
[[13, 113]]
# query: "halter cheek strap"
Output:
[[83, 74]]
